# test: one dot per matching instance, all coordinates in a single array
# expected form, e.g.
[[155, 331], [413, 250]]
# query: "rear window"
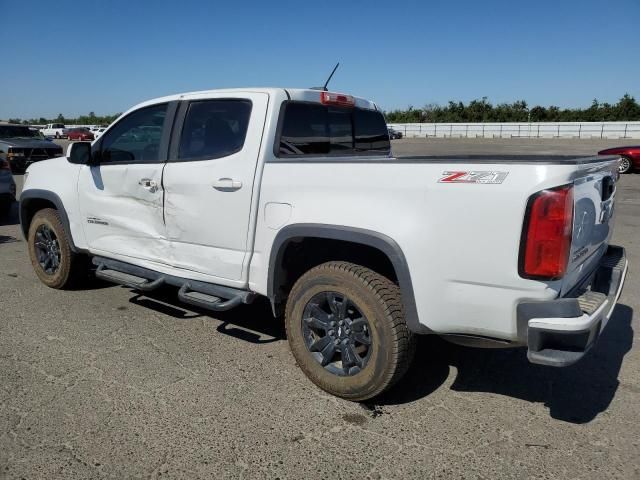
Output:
[[315, 129]]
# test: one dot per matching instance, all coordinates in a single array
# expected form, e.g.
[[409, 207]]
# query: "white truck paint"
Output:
[[452, 227], [55, 130]]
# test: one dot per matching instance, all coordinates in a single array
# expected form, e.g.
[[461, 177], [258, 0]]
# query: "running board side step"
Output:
[[205, 295], [203, 300], [128, 280]]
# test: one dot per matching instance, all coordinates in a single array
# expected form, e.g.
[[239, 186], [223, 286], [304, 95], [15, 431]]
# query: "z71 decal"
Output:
[[473, 177]]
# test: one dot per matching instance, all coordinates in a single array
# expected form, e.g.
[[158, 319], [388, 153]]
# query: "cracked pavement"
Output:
[[107, 383]]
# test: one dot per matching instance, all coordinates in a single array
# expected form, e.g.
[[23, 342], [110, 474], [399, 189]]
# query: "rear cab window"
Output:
[[314, 129]]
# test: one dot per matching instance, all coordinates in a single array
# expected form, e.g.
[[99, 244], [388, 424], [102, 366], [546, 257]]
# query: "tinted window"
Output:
[[315, 129], [371, 131], [340, 130], [304, 130], [214, 129], [11, 131], [136, 137]]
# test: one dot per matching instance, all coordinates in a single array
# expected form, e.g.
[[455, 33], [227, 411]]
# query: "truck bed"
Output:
[[510, 159], [452, 159]]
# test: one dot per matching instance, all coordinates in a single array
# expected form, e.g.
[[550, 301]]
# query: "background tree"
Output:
[[626, 109]]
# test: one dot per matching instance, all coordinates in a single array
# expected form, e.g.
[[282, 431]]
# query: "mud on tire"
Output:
[[373, 328], [47, 240]]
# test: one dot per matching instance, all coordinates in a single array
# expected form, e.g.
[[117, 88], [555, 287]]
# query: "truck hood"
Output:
[[27, 143]]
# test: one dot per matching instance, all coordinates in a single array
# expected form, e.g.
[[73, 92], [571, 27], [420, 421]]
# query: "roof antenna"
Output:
[[324, 88]]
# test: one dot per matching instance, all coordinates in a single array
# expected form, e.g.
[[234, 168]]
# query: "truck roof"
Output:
[[300, 94]]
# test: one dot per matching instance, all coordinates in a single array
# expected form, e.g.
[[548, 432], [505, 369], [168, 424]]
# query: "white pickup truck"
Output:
[[293, 194], [54, 130]]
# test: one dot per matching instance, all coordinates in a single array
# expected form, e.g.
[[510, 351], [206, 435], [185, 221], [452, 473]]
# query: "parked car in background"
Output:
[[7, 188], [54, 130], [22, 146], [629, 157], [82, 134], [98, 131], [394, 134]]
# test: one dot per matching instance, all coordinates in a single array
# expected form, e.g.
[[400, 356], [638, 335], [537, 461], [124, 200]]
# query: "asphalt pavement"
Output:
[[104, 382]]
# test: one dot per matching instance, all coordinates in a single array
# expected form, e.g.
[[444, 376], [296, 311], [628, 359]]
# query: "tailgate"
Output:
[[594, 198]]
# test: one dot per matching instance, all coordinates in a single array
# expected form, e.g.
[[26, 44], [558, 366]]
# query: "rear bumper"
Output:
[[560, 332]]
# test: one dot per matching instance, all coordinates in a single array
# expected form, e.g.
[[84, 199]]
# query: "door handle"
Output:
[[227, 184], [149, 184]]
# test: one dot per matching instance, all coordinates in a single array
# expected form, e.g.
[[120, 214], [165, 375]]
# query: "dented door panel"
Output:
[[208, 200], [122, 210]]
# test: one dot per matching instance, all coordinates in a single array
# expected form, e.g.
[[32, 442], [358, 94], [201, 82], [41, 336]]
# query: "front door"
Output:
[[208, 182], [121, 197]]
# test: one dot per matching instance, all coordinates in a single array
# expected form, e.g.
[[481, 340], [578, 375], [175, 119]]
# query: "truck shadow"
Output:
[[8, 239], [575, 394], [252, 323]]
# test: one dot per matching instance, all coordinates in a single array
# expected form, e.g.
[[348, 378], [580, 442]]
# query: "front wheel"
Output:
[[53, 260], [625, 165], [346, 329]]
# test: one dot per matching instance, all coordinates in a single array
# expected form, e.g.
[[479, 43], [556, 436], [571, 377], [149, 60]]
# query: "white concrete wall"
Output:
[[515, 130]]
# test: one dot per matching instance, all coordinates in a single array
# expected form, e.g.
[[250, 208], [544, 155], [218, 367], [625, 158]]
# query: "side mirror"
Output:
[[79, 152]]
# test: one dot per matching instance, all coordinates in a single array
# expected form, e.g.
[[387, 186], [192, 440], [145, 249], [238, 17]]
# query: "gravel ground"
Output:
[[106, 383]]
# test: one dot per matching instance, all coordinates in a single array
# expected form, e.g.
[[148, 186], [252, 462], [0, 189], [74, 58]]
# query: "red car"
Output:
[[81, 134], [629, 157]]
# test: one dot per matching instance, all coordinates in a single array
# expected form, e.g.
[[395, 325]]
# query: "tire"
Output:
[[625, 165], [375, 303], [70, 266]]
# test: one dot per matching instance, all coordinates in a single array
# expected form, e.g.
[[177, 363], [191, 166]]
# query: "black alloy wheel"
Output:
[[336, 333], [47, 249]]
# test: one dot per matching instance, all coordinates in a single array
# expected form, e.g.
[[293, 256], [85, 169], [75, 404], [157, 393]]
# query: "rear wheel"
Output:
[[625, 165], [346, 329], [49, 249]]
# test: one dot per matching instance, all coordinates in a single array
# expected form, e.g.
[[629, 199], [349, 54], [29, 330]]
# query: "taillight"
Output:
[[4, 165], [546, 237], [331, 98]]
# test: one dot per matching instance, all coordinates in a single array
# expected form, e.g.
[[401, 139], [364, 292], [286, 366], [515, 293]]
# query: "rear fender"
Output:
[[370, 238]]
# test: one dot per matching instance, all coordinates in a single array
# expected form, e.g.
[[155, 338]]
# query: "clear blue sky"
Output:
[[72, 57]]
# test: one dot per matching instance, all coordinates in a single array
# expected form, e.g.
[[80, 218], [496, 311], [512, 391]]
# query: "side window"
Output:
[[214, 129], [314, 129], [136, 137]]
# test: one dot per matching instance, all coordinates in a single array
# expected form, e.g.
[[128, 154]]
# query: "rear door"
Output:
[[208, 181], [121, 198]]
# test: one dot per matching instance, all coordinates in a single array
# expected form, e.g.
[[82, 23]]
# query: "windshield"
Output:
[[10, 131]]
